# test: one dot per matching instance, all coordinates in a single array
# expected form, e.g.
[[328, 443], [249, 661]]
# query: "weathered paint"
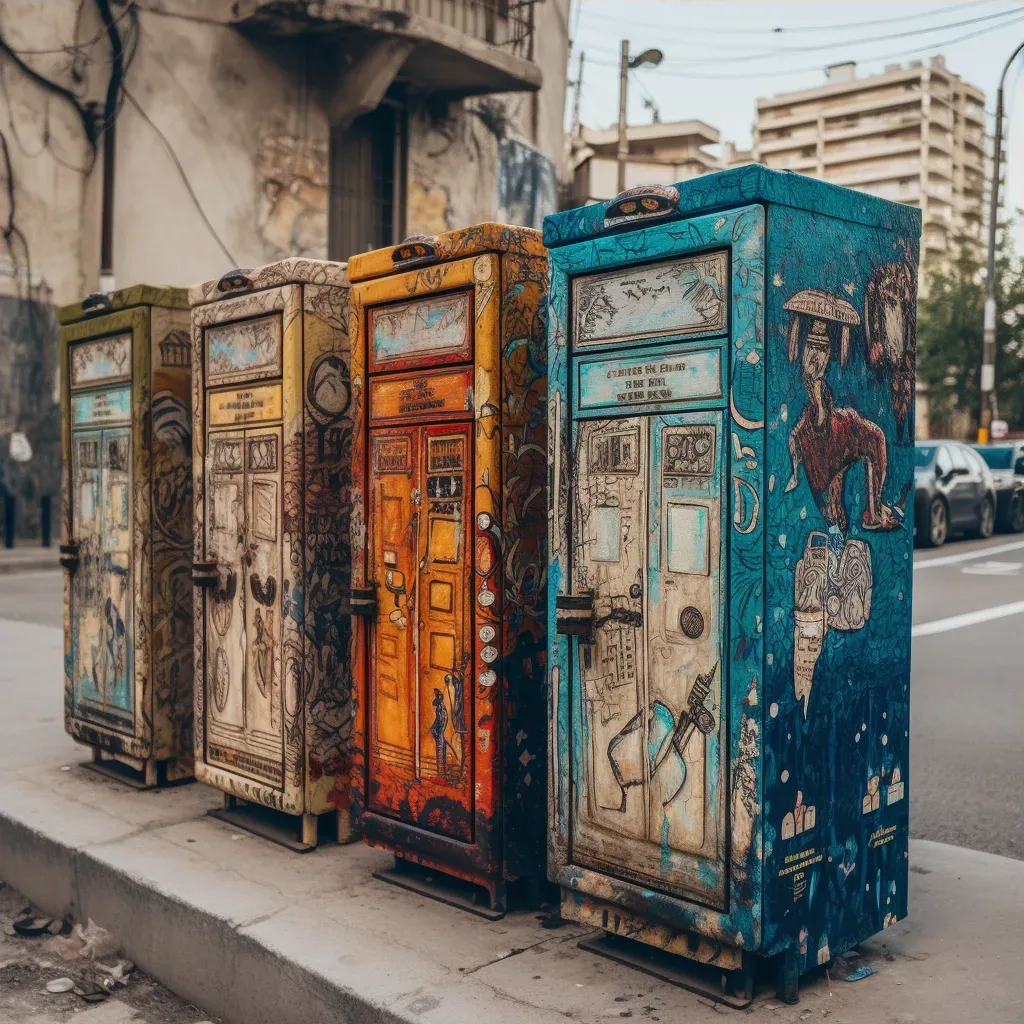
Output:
[[449, 490], [272, 467], [127, 507], [816, 436]]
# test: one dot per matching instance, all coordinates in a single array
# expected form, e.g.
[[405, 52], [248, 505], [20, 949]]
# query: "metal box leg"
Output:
[[787, 978]]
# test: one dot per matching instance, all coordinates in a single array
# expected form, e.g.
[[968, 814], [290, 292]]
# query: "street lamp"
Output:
[[647, 59], [988, 352]]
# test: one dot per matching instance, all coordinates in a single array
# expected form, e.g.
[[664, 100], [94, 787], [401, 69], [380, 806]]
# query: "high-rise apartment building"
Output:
[[914, 134]]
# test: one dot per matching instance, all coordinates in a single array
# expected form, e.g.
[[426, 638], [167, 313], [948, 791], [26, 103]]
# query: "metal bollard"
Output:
[[45, 519], [8, 520]]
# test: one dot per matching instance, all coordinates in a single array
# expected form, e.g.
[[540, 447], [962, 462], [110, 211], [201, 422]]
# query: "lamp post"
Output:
[[647, 59], [988, 352]]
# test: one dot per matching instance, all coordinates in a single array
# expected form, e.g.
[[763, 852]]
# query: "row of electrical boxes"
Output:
[[582, 559]]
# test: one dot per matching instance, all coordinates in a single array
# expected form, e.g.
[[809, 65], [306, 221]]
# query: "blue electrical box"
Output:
[[731, 419]]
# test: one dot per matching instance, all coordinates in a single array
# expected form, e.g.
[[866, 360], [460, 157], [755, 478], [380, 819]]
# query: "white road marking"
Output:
[[968, 619], [968, 556], [993, 569]]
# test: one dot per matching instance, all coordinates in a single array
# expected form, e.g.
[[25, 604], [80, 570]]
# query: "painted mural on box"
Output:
[[171, 550], [273, 709], [524, 557], [248, 683], [649, 525], [839, 577], [102, 638], [102, 633], [455, 543], [328, 477], [819, 448]]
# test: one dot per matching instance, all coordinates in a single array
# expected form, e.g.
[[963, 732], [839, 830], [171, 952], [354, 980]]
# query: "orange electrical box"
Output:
[[450, 386]]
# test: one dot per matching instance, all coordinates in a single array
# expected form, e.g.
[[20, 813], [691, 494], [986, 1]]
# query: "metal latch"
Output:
[[204, 574], [574, 615], [363, 601], [69, 556]]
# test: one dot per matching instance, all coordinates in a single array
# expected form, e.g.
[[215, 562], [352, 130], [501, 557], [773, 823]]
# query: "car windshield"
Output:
[[997, 458], [923, 455]]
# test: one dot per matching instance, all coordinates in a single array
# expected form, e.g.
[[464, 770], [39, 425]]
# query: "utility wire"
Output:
[[708, 30], [181, 172], [805, 70], [71, 47], [1009, 15]]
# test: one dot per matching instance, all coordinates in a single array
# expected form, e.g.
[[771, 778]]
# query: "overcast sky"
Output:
[[721, 56]]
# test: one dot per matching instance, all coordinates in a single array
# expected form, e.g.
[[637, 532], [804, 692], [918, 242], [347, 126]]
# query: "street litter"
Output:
[[90, 943], [118, 974], [90, 991], [861, 973], [59, 985], [33, 927]]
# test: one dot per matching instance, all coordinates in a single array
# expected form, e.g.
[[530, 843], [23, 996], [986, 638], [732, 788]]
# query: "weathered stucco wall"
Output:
[[222, 160], [252, 142]]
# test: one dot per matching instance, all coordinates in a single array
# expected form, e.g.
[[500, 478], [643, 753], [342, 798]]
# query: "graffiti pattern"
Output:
[[483, 717], [128, 508], [820, 424], [295, 504]]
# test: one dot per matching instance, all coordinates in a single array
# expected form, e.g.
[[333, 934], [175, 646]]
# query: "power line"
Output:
[[72, 47], [181, 172], [805, 70], [708, 30], [1010, 15]]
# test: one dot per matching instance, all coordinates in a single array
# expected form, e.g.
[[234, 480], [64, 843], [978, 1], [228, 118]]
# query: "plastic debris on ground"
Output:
[[90, 943], [861, 973]]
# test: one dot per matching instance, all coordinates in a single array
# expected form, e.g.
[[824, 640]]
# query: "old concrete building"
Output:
[[245, 131], [913, 134], [659, 154]]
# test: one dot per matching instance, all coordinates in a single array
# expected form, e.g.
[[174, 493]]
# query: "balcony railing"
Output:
[[464, 47]]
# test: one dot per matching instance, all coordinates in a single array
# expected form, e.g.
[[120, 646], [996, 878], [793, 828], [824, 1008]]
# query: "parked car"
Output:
[[953, 491], [1006, 461]]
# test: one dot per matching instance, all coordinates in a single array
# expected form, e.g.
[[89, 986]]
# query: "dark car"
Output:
[[953, 491], [1006, 461]]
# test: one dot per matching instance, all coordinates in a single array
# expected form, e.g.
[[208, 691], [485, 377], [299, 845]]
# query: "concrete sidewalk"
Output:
[[258, 935], [28, 556]]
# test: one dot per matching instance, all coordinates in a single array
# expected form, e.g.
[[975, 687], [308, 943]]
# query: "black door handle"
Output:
[[69, 557], [204, 574], [574, 615], [363, 601]]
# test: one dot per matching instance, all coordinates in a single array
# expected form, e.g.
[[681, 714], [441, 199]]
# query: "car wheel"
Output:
[[986, 520], [1015, 520], [938, 524]]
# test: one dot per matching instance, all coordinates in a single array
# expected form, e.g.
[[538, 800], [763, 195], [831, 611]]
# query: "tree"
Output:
[[950, 329]]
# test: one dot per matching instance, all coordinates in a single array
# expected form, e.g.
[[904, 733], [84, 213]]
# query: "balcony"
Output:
[[457, 47]]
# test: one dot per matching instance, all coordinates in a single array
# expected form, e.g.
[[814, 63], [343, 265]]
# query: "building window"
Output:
[[367, 175]]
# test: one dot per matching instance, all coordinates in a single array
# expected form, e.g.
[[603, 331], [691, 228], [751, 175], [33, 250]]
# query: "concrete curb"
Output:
[[198, 954]]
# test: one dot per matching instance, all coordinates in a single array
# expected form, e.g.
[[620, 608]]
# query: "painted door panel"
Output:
[[647, 541], [243, 612], [101, 619], [420, 650]]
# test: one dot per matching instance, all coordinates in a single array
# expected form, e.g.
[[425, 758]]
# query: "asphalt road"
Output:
[[967, 699]]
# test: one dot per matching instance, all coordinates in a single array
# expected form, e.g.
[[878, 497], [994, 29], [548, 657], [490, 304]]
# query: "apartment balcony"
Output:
[[848, 127], [780, 144], [456, 47], [868, 148]]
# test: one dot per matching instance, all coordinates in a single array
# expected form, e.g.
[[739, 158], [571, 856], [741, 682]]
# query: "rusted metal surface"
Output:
[[271, 559], [127, 528], [449, 492]]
